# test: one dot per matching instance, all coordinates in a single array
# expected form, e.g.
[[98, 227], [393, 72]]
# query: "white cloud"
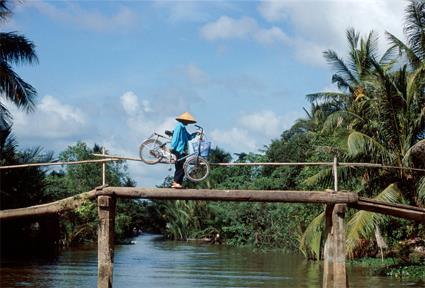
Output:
[[244, 28], [273, 10], [267, 124], [320, 25], [141, 118], [130, 102], [236, 139], [264, 122], [252, 131], [51, 120], [123, 17]]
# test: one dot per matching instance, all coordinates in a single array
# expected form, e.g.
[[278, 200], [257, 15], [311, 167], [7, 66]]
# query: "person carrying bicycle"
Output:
[[179, 146]]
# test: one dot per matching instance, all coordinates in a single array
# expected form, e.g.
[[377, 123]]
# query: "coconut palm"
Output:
[[382, 122], [14, 50]]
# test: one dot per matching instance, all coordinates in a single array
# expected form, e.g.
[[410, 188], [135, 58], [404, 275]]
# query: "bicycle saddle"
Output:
[[169, 133]]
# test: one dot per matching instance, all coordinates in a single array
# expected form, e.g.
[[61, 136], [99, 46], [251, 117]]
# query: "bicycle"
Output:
[[155, 149]]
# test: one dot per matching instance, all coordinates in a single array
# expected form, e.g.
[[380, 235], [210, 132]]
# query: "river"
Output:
[[151, 262]]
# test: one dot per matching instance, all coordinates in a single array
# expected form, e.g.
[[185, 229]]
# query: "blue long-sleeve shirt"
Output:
[[180, 138]]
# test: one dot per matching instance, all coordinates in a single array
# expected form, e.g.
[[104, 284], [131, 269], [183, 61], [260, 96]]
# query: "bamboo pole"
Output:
[[335, 172], [57, 163], [103, 169], [118, 158], [275, 164], [105, 250], [66, 204]]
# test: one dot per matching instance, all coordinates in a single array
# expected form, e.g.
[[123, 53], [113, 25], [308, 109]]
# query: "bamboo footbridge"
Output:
[[334, 268]]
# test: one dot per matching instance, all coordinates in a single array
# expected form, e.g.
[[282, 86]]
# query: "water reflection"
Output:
[[155, 263]]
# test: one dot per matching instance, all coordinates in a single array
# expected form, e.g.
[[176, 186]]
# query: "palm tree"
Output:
[[14, 50], [382, 122]]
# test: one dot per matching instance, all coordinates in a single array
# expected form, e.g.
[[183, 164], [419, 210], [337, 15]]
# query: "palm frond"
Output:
[[4, 11], [339, 119], [413, 58], [327, 97], [414, 83], [13, 88], [341, 68], [323, 178], [311, 239], [415, 27], [362, 224], [353, 38], [360, 144], [5, 117], [16, 49], [388, 57]]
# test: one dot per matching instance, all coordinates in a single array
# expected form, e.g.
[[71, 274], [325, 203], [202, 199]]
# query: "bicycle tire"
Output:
[[150, 148], [196, 168]]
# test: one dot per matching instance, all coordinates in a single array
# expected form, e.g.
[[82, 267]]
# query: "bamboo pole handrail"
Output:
[[330, 164], [109, 159], [118, 158]]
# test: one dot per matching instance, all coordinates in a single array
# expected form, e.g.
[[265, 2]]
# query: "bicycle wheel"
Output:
[[150, 151], [196, 168]]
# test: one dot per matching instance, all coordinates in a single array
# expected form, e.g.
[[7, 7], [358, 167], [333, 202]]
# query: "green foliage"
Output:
[[80, 225]]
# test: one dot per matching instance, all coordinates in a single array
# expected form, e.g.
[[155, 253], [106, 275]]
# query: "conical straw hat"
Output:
[[187, 117]]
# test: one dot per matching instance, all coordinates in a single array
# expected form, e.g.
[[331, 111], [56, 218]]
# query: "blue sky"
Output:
[[112, 72]]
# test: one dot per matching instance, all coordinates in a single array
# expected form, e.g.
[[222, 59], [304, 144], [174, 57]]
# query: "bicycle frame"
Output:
[[157, 136], [161, 153]]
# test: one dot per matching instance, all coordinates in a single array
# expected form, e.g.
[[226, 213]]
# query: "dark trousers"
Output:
[[179, 173]]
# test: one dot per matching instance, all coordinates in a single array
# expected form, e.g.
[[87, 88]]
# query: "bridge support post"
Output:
[[105, 240], [334, 269]]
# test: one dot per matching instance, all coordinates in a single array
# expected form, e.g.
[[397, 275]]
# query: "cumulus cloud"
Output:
[[263, 122], [236, 139], [266, 123], [73, 13], [131, 105], [141, 118], [254, 130], [315, 25], [320, 25], [51, 119], [244, 28]]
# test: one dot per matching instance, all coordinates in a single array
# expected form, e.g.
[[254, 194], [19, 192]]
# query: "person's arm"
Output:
[[191, 136]]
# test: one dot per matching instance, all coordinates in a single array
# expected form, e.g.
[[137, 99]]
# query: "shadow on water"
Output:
[[153, 262]]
